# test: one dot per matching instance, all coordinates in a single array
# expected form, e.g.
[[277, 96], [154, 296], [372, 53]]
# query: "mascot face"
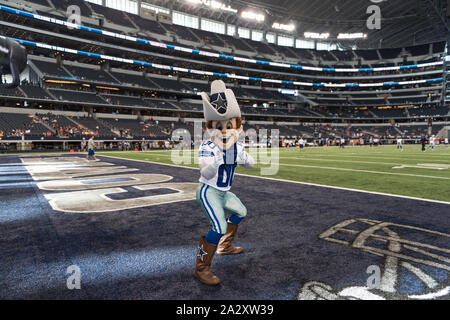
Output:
[[225, 133], [222, 115]]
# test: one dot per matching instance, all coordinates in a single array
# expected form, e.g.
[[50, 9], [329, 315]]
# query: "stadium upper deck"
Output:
[[122, 70], [326, 62]]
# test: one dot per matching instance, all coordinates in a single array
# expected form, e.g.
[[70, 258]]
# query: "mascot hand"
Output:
[[218, 159], [242, 157]]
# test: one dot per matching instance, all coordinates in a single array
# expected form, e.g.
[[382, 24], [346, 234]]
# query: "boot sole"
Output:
[[208, 284], [228, 253]]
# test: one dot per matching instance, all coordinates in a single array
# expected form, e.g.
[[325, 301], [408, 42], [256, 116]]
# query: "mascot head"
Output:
[[222, 115]]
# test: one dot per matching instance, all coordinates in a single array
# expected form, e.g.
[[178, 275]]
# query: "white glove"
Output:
[[245, 160], [242, 157], [218, 159]]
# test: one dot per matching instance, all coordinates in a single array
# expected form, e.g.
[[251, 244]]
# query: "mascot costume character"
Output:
[[218, 159]]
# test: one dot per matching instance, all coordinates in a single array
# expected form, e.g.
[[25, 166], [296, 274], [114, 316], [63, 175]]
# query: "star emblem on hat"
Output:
[[219, 102], [201, 252]]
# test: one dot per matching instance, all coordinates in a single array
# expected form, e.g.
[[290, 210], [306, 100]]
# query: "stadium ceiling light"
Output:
[[286, 27], [252, 16], [315, 35], [358, 35], [61, 81], [214, 5], [107, 88]]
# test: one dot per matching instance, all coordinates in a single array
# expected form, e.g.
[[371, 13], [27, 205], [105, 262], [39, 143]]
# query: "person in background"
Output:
[[432, 142], [91, 146], [423, 141], [399, 144], [301, 143]]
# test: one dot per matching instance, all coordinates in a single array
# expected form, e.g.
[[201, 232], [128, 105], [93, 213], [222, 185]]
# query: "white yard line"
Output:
[[365, 171], [400, 163], [384, 158], [298, 182], [353, 170], [332, 160], [338, 160]]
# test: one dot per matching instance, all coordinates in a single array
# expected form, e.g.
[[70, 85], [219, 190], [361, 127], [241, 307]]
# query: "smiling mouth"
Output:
[[226, 139]]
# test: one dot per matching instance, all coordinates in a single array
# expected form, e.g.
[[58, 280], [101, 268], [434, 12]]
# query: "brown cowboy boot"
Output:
[[204, 258], [225, 246]]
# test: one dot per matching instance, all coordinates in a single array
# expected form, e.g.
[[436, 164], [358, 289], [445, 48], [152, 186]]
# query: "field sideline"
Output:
[[380, 169]]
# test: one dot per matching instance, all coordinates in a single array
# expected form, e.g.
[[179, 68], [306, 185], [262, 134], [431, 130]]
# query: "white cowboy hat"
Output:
[[221, 104]]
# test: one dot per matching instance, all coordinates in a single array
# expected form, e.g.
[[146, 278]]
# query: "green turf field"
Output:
[[418, 174]]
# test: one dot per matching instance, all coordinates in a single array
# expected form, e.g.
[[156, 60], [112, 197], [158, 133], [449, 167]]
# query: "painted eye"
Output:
[[229, 126], [219, 126]]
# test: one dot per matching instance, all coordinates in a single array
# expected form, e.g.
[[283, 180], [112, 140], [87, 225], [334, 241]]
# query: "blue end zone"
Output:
[[132, 193], [95, 181], [290, 239]]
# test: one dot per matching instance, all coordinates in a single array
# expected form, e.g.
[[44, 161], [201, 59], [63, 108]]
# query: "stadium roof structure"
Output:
[[403, 24]]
